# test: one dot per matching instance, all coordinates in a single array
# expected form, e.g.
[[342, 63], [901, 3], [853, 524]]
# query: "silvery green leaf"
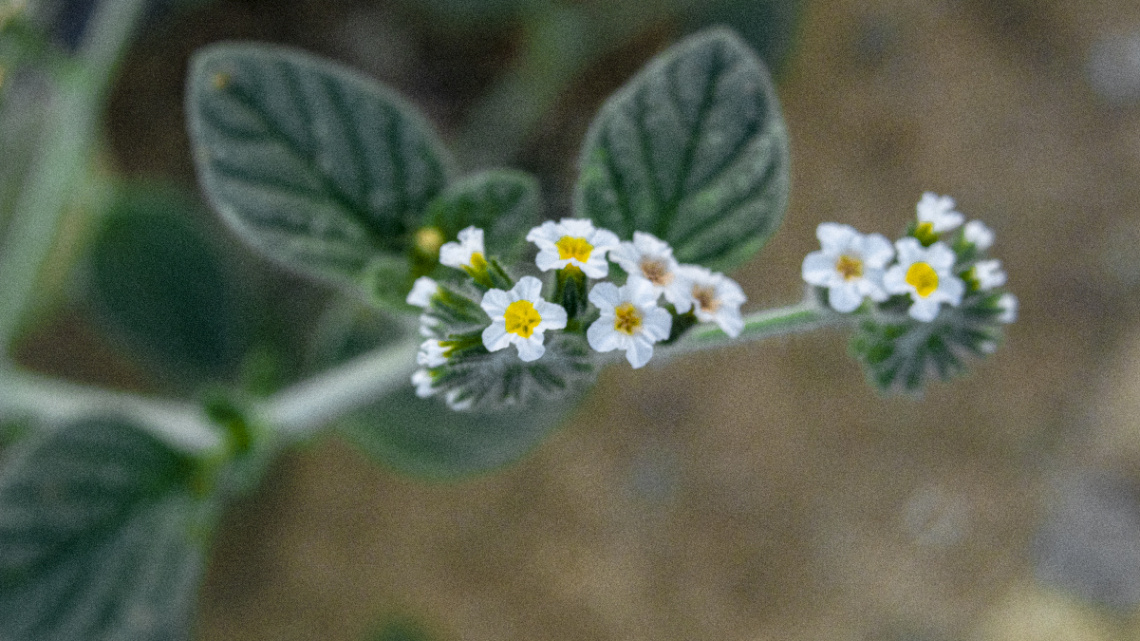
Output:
[[506, 204], [161, 287], [321, 169], [101, 537], [694, 150], [423, 437]]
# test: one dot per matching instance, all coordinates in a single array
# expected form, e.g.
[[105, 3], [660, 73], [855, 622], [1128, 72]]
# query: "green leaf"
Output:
[[424, 438], [694, 150], [157, 282], [505, 204], [100, 537], [319, 168]]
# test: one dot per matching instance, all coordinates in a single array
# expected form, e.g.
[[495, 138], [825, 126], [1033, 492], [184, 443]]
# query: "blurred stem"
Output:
[[768, 323], [299, 411], [69, 131], [179, 424]]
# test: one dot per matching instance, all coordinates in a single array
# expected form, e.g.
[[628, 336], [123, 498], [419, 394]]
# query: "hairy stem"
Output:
[[300, 410], [179, 424], [760, 325]]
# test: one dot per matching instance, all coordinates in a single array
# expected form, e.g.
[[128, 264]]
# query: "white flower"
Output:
[[467, 254], [520, 316], [850, 265], [429, 325], [421, 378], [630, 320], [989, 274], [650, 260], [422, 292], [573, 242], [1008, 306], [713, 297], [936, 214], [432, 353], [927, 274], [977, 233]]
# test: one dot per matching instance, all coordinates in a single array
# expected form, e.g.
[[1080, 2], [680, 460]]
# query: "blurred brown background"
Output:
[[765, 492]]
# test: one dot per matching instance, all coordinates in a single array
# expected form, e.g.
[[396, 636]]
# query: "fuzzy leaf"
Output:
[[425, 438], [99, 537], [505, 204], [161, 286], [694, 150], [321, 169]]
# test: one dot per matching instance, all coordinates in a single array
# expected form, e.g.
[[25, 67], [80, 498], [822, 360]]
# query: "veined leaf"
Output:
[[321, 169], [694, 150], [100, 537], [506, 204]]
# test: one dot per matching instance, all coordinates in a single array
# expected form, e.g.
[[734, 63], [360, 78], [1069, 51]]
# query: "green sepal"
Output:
[[693, 150], [900, 354], [316, 166]]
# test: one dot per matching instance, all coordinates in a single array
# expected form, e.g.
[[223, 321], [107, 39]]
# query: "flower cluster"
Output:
[[929, 293], [468, 326]]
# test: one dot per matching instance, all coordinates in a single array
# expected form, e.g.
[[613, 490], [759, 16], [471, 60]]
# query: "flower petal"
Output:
[[531, 349], [495, 336]]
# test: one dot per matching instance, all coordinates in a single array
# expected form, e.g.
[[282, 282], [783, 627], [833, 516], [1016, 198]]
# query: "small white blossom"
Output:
[[429, 325], [977, 233], [456, 403], [432, 353], [937, 212], [713, 297], [850, 265], [927, 275], [989, 274], [1008, 306], [421, 378], [630, 320], [650, 259], [573, 242], [466, 254], [422, 292], [520, 316]]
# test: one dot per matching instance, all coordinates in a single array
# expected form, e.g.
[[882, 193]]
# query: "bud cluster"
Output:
[[557, 328], [925, 300]]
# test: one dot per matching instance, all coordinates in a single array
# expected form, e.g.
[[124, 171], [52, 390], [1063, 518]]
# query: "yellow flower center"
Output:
[[574, 247], [656, 272], [627, 319], [706, 298], [428, 240], [922, 278], [849, 267], [522, 318]]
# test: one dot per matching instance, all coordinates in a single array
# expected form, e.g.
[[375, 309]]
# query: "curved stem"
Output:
[[760, 325], [179, 424], [298, 411]]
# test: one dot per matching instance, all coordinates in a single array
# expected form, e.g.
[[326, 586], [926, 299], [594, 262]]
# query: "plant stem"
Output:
[[179, 424], [297, 412], [760, 325], [69, 131]]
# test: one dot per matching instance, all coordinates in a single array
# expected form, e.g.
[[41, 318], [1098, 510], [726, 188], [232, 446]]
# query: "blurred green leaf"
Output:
[[506, 204], [321, 169], [425, 438], [100, 537], [400, 630], [693, 149], [157, 282]]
